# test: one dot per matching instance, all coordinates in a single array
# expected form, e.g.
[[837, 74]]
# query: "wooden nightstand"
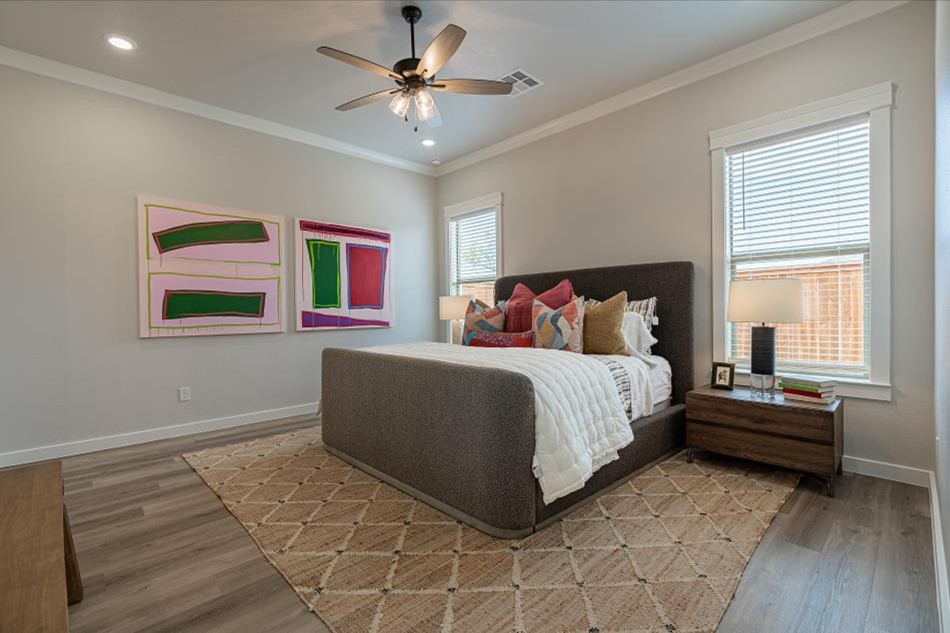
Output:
[[797, 435]]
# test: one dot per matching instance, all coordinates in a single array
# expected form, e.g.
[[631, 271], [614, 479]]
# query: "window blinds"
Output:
[[473, 244], [799, 207]]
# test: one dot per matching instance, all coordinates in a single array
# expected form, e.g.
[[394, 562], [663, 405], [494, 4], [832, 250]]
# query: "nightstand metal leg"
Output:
[[830, 485], [689, 455], [840, 468]]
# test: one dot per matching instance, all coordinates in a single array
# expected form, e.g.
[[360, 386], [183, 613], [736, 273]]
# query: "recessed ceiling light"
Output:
[[120, 42], [428, 142]]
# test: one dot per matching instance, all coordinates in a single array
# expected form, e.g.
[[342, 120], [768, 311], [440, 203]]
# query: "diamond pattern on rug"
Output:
[[661, 552]]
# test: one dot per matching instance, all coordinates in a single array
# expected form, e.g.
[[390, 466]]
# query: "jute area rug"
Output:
[[663, 552]]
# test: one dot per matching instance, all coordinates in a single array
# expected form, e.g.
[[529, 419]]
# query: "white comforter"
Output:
[[580, 419]]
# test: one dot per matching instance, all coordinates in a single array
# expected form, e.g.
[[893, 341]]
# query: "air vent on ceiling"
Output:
[[521, 82]]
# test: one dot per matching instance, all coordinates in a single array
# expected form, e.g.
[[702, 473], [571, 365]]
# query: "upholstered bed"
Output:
[[462, 438]]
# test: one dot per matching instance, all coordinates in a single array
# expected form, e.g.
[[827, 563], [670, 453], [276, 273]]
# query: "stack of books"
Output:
[[808, 389]]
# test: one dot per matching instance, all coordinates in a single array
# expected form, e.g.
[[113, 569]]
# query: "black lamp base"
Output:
[[763, 359], [763, 350]]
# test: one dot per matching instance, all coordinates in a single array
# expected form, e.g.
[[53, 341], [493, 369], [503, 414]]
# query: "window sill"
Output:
[[847, 387]]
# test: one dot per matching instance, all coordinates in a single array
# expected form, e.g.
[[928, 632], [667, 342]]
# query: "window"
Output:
[[801, 197], [473, 239], [798, 207]]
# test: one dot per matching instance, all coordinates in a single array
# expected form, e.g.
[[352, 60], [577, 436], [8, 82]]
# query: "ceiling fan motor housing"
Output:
[[406, 67]]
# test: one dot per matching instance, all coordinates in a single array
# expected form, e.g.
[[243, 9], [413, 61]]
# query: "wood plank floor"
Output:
[[159, 553], [861, 561]]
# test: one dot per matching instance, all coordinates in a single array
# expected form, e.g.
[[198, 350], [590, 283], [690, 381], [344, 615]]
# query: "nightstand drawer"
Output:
[[770, 449], [802, 422]]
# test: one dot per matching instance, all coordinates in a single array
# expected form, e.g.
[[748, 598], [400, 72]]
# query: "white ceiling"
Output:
[[259, 58]]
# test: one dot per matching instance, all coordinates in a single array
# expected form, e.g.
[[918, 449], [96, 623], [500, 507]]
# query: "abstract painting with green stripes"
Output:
[[206, 270]]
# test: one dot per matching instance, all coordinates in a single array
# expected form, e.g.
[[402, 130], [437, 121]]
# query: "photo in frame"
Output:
[[723, 375]]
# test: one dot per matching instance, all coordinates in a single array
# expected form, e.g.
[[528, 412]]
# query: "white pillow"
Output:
[[636, 334]]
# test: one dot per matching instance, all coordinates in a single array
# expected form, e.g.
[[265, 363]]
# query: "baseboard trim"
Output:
[[940, 559], [67, 449], [884, 470]]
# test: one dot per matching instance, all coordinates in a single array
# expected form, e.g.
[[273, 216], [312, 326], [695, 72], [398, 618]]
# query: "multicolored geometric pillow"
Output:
[[502, 339], [482, 318], [561, 328]]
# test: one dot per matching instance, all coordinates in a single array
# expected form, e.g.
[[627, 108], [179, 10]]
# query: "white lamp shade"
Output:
[[453, 307], [766, 301]]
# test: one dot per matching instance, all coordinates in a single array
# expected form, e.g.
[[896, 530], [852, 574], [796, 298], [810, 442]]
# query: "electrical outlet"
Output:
[[184, 394]]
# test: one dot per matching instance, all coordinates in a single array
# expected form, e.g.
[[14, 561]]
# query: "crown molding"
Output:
[[837, 18], [91, 79]]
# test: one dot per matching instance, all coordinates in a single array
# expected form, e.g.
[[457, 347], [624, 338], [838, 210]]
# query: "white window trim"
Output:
[[467, 207], [875, 101]]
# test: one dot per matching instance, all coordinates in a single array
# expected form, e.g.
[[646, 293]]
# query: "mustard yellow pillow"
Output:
[[603, 327]]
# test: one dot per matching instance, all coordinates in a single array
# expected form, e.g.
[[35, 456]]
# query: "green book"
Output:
[[797, 385]]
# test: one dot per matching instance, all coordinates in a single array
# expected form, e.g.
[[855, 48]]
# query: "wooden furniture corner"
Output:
[[799, 435], [39, 573]]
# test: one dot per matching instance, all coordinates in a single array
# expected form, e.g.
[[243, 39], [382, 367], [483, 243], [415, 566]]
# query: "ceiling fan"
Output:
[[415, 76]]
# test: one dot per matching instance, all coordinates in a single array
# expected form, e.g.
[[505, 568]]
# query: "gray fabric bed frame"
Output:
[[462, 438]]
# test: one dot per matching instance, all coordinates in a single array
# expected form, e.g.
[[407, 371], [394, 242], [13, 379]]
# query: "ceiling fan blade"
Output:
[[376, 96], [359, 62], [440, 50], [473, 86]]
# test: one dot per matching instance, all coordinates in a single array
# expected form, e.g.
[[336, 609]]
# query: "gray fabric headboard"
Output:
[[670, 282]]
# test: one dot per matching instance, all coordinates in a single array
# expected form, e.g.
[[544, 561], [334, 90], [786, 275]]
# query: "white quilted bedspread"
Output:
[[580, 419]]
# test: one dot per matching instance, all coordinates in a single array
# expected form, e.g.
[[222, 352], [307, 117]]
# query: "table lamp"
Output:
[[452, 308], [764, 301]]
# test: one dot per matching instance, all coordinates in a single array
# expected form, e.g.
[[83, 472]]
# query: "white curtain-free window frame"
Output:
[[872, 105], [473, 246]]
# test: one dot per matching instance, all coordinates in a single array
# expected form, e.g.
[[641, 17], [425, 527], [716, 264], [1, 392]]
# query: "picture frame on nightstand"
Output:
[[723, 375]]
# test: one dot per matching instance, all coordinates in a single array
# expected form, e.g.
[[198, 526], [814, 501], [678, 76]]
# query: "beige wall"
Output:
[[942, 264], [72, 161], [635, 187]]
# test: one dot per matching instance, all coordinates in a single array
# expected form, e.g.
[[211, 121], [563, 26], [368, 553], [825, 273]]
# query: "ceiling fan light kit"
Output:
[[400, 104], [415, 76], [425, 105]]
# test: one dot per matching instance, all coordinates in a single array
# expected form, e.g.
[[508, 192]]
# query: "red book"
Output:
[[810, 394]]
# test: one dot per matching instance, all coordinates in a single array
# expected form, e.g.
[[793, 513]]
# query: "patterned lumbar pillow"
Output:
[[561, 328], [603, 332], [480, 317], [502, 339]]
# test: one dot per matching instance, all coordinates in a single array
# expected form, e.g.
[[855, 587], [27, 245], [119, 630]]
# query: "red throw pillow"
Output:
[[518, 311], [502, 339]]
